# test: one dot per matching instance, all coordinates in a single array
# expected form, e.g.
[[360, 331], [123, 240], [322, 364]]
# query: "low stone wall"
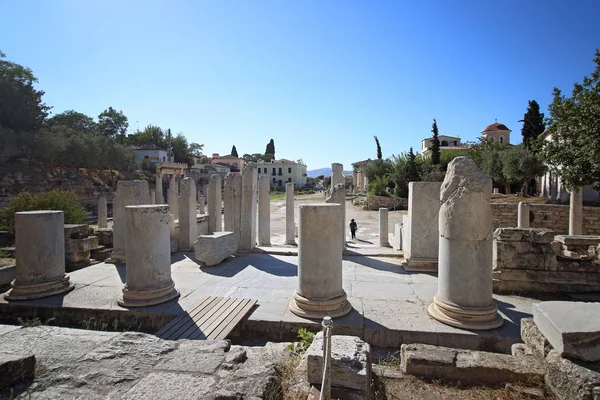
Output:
[[391, 203], [549, 216]]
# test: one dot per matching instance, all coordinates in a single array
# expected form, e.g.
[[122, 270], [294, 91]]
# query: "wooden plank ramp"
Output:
[[211, 318]]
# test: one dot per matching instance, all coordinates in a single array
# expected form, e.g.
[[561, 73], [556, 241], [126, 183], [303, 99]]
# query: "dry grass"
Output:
[[5, 262], [292, 386]]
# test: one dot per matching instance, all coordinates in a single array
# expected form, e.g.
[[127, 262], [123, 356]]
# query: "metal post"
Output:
[[326, 382]]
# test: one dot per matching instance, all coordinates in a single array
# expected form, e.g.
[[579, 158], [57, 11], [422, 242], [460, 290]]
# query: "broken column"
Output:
[[248, 225], [264, 211], [575, 212], [214, 204], [188, 225], [173, 196], [148, 280], [289, 214], [338, 196], [464, 297], [159, 197], [232, 204], [102, 213], [201, 204], [421, 249], [523, 215], [40, 254], [337, 175], [384, 235], [320, 291], [152, 196], [129, 193]]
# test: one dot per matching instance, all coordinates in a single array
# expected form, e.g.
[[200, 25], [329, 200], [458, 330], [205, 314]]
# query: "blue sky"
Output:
[[319, 77]]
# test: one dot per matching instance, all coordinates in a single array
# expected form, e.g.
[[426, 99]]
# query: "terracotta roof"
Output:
[[495, 127]]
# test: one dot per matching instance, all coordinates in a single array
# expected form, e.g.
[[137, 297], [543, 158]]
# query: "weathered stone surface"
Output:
[[249, 205], [232, 204], [533, 235], [188, 224], [397, 245], [476, 367], [571, 380], [79, 245], [214, 204], [105, 236], [76, 231], [534, 340], [102, 213], [338, 196], [384, 234], [572, 328], [129, 193], [350, 362], [264, 211], [16, 368], [213, 249], [289, 214]]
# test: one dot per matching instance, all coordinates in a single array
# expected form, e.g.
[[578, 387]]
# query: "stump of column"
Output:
[[289, 214], [320, 291], [232, 204], [248, 224], [188, 225], [214, 204], [264, 211], [102, 213], [148, 280], [159, 198], [173, 196], [464, 297], [523, 215], [40, 254], [384, 235], [128, 193], [575, 212]]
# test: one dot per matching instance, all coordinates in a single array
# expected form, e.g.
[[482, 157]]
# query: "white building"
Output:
[[151, 153], [445, 141], [282, 171], [497, 132]]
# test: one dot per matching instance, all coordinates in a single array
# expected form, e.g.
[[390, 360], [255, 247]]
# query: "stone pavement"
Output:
[[389, 304]]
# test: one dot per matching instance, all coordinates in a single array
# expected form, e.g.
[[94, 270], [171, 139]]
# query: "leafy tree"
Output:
[[533, 125], [487, 154], [256, 157], [270, 150], [320, 177], [412, 167], [575, 129], [195, 149], [519, 164], [435, 146], [113, 124], [21, 106], [151, 134], [378, 186], [73, 120], [378, 169], [379, 156], [234, 151]]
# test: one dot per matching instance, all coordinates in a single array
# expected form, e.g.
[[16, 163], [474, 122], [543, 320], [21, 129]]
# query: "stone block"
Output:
[[424, 208], [571, 380], [532, 235], [572, 328], [397, 245], [578, 240], [16, 368], [213, 249], [81, 245], [350, 362], [105, 236], [76, 231], [534, 340]]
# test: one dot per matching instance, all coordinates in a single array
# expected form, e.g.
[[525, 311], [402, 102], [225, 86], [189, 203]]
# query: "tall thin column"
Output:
[[384, 236], [248, 224], [40, 253], [129, 193], [338, 196], [289, 214], [214, 204], [464, 297], [232, 204], [173, 196], [337, 175], [523, 215], [102, 213], [575, 212], [148, 280], [320, 292], [188, 224], [264, 211]]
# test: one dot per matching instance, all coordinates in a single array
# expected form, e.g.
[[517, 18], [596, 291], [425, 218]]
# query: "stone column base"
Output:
[[147, 297], [385, 244], [116, 257], [29, 291], [465, 318], [291, 243], [317, 309], [420, 265]]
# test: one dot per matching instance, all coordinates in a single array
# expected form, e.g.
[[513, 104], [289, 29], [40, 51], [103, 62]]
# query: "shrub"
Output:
[[146, 165], [56, 200]]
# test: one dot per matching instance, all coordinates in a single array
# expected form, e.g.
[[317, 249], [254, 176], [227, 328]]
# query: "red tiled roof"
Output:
[[495, 127]]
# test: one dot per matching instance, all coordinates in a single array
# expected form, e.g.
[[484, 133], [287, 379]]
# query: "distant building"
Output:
[[359, 176], [233, 161], [150, 152], [497, 132], [448, 142], [282, 171]]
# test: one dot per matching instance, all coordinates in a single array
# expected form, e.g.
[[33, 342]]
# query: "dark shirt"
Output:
[[353, 226]]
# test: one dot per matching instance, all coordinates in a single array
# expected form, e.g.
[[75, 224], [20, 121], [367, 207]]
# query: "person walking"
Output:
[[353, 228]]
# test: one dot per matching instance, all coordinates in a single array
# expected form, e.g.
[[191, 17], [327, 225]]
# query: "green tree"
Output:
[[435, 145], [533, 125], [487, 154], [21, 105], [575, 132], [412, 169], [379, 155], [73, 120], [519, 164], [151, 134], [113, 124], [234, 151], [270, 150]]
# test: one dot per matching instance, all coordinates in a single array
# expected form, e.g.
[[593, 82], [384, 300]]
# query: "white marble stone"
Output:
[[148, 279], [173, 196], [397, 245], [213, 249], [173, 234], [232, 204], [338, 196], [188, 225], [337, 175], [523, 215], [249, 208], [575, 213], [128, 193], [201, 204], [405, 233], [464, 297], [384, 235], [40, 256], [289, 214], [264, 211], [102, 213], [159, 196], [214, 204]]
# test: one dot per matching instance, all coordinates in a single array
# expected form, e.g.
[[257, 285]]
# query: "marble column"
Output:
[[102, 213], [148, 279], [159, 197], [214, 204], [173, 196], [249, 206], [338, 196], [464, 297], [152, 196], [320, 291], [232, 204], [576, 212], [384, 235], [201, 204], [40, 254], [128, 193], [523, 215], [188, 224], [264, 211], [289, 214]]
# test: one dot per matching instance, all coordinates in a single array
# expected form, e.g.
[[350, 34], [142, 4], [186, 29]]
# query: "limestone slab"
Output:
[[572, 328], [423, 211], [213, 249], [188, 225], [16, 368], [570, 380], [128, 193]]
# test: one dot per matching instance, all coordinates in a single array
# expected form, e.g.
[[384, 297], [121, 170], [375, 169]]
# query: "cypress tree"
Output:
[[435, 146]]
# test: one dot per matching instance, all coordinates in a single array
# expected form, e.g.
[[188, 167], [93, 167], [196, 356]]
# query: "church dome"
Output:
[[495, 127]]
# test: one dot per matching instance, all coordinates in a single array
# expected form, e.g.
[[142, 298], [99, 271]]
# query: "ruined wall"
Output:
[[391, 203], [550, 216]]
